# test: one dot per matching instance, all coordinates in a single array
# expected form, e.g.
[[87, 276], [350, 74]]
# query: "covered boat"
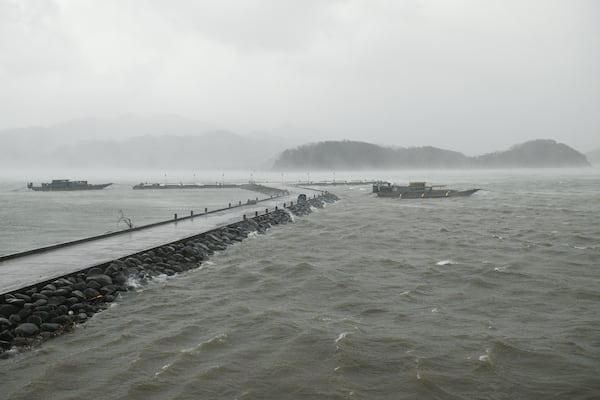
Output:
[[66, 185], [418, 190]]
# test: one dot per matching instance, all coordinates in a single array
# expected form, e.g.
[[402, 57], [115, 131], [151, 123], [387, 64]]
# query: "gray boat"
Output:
[[418, 190], [66, 185]]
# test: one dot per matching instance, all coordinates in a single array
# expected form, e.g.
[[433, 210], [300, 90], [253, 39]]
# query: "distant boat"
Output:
[[418, 190], [66, 185]]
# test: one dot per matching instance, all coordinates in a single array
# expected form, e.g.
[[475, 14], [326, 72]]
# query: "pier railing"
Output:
[[137, 228]]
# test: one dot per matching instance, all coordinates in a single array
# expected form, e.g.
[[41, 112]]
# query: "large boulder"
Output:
[[91, 293], [6, 310], [27, 329], [102, 279]]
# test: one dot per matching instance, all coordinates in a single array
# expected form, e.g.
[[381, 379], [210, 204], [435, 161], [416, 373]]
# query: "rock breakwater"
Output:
[[304, 204], [31, 315]]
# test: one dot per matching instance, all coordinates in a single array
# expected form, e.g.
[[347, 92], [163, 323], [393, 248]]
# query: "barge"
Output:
[[418, 190], [58, 185]]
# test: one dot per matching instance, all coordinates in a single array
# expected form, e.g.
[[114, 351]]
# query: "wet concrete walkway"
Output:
[[29, 269]]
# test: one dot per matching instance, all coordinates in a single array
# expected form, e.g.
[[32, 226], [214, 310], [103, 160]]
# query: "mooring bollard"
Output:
[[266, 210], [205, 210], [256, 213], [244, 217], [191, 213], [175, 217], [240, 203], [275, 208], [229, 205]]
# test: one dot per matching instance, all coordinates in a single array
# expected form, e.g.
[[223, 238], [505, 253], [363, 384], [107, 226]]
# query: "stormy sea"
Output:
[[492, 296]]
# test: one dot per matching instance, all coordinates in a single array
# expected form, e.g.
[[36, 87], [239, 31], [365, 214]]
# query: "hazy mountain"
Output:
[[536, 153], [594, 156], [156, 142], [173, 142], [360, 155]]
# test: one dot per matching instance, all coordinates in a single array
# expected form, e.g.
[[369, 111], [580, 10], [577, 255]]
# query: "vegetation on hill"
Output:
[[360, 155], [536, 153]]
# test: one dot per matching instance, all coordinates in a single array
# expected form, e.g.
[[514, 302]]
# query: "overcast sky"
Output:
[[468, 75]]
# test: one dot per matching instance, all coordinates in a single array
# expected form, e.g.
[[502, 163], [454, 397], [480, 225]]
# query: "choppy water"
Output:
[[496, 296]]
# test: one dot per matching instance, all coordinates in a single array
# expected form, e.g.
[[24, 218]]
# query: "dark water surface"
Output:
[[496, 296]]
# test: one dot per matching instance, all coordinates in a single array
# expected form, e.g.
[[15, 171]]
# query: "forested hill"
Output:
[[360, 155]]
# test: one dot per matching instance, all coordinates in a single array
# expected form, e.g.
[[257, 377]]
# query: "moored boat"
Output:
[[66, 185], [418, 190]]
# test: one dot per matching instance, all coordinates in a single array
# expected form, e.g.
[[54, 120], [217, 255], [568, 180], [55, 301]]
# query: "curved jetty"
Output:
[[33, 314]]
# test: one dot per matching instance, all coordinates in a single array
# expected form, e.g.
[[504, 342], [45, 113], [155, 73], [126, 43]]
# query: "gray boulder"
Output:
[[27, 329]]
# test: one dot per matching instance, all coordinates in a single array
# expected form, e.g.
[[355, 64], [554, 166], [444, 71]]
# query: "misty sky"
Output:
[[473, 76]]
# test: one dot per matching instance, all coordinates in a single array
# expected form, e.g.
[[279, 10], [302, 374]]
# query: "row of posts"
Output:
[[239, 204]]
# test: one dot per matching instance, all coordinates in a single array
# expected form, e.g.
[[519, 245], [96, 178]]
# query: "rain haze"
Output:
[[468, 76], [299, 199]]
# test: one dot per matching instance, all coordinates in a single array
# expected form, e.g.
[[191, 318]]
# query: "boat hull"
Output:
[[69, 189], [426, 194]]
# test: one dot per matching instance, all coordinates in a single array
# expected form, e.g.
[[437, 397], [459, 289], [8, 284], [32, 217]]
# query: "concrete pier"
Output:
[[29, 269]]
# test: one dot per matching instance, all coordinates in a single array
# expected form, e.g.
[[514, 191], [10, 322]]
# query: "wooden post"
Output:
[[244, 217], [256, 213], [205, 210], [175, 217], [191, 213]]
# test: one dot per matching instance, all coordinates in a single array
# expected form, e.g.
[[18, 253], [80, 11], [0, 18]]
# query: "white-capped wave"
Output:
[[219, 339], [135, 283], [162, 369], [341, 336], [485, 357], [446, 262]]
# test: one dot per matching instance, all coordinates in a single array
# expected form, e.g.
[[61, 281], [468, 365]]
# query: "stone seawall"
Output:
[[33, 314]]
